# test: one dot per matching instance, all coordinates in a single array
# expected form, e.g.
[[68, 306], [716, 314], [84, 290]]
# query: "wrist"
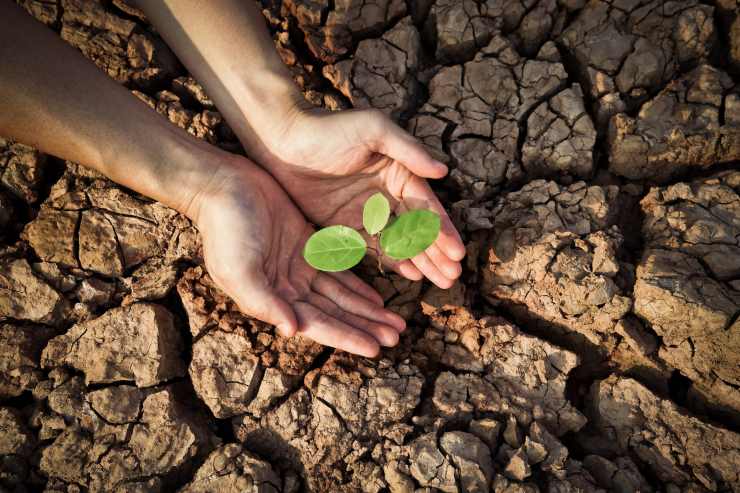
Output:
[[268, 95], [170, 165], [190, 169], [223, 182], [267, 105]]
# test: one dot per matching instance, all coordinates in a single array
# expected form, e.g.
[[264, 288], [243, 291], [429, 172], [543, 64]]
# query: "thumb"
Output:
[[260, 301], [399, 145]]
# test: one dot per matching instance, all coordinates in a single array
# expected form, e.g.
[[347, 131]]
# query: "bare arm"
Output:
[[253, 235], [227, 47], [328, 162], [52, 98]]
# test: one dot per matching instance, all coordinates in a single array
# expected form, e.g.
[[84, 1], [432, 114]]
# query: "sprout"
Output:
[[338, 248]]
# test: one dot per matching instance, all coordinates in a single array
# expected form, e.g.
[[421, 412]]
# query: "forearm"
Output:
[[230, 52], [52, 98]]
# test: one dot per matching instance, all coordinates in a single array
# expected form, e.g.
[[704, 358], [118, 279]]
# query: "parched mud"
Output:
[[591, 345]]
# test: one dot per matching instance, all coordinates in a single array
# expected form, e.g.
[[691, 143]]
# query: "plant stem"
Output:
[[379, 254]]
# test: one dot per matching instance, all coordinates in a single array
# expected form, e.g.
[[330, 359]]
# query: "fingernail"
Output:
[[283, 330]]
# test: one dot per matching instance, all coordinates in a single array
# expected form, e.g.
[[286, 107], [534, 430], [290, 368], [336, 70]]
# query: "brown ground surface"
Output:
[[592, 344]]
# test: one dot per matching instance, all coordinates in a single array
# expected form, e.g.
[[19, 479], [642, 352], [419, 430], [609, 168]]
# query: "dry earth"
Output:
[[593, 343]]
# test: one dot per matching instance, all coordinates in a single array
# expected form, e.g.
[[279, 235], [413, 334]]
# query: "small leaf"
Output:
[[375, 214], [334, 249], [410, 234]]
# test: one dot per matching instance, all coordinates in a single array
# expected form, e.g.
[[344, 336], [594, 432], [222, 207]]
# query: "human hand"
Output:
[[253, 238], [330, 163]]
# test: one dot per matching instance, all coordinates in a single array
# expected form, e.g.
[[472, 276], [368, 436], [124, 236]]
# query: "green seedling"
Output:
[[338, 248], [375, 214], [334, 249]]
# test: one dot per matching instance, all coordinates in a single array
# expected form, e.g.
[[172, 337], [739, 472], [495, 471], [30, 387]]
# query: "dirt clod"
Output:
[[25, 296], [690, 124], [231, 469], [137, 343], [382, 73], [684, 287], [20, 349], [148, 452], [679, 448], [120, 47], [554, 261], [624, 53]]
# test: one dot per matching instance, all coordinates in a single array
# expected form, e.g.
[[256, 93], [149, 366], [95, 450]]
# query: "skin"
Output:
[[253, 238], [56, 100], [329, 163]]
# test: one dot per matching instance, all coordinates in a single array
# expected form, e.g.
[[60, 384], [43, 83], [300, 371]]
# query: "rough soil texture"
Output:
[[553, 257], [679, 448], [591, 344], [686, 286], [625, 50], [503, 116], [693, 123], [238, 364], [383, 72]]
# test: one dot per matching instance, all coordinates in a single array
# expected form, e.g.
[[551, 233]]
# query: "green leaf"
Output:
[[375, 214], [334, 249], [410, 234]]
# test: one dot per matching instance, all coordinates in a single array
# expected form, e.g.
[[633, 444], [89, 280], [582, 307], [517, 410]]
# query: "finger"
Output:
[[257, 299], [448, 267], [418, 195], [430, 270], [357, 285], [325, 329], [404, 268], [351, 302], [396, 143], [384, 334], [408, 270]]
